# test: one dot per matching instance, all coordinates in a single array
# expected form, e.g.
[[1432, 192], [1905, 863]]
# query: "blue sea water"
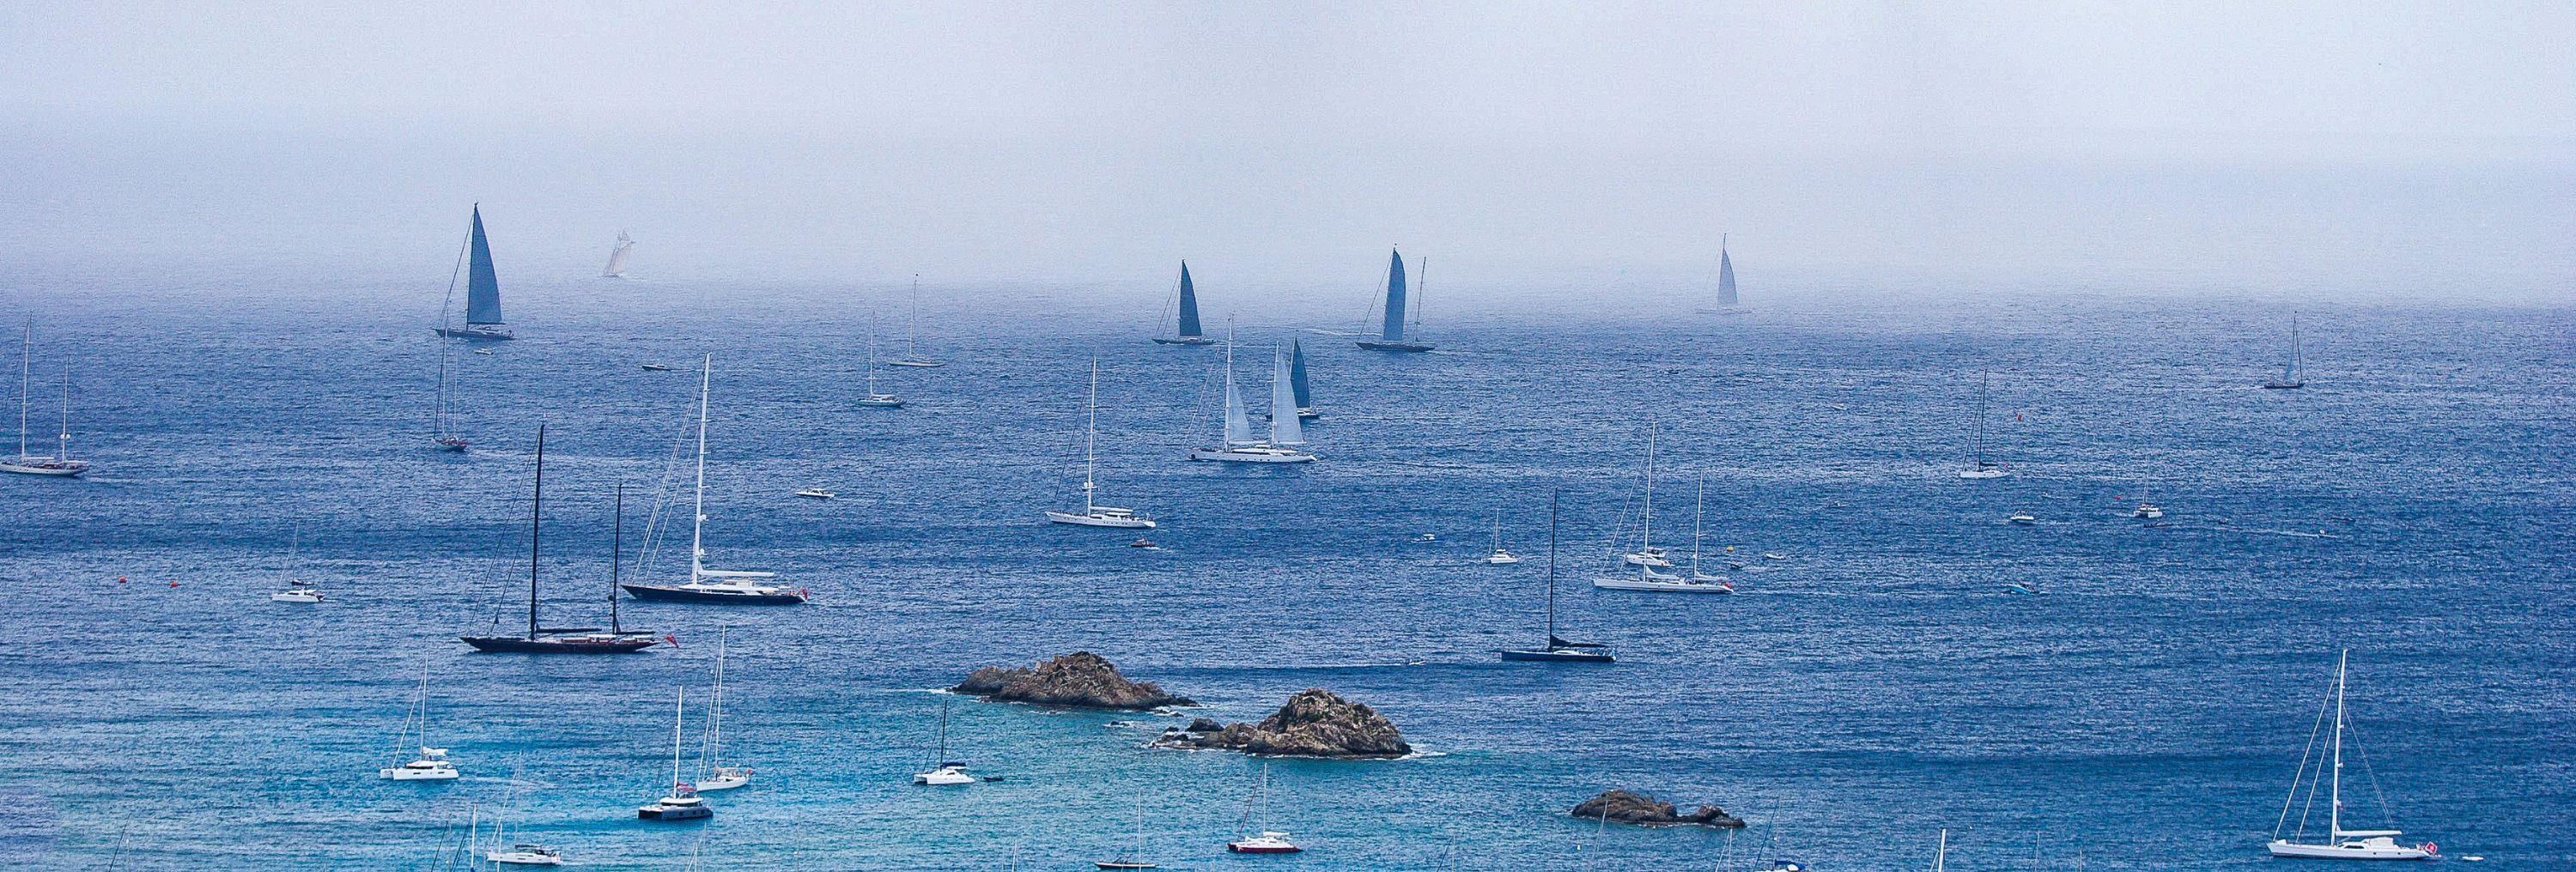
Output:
[[1852, 701]]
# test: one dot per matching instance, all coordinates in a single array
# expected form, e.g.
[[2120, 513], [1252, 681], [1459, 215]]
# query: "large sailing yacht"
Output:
[[1285, 431], [1558, 650], [559, 640], [616, 268], [1093, 513], [2293, 375], [2340, 843], [61, 465], [713, 585], [912, 335], [1978, 467], [1185, 330], [1391, 330], [482, 290]]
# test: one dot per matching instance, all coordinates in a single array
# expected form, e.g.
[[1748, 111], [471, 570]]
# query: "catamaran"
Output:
[[564, 640], [718, 776], [1979, 468], [1391, 335], [1285, 432], [1269, 841], [432, 764], [61, 464], [1558, 650], [683, 803], [297, 590], [2292, 374], [1185, 330], [1093, 513], [948, 773], [713, 585], [2340, 843], [1500, 557], [616, 268], [912, 334], [482, 290]]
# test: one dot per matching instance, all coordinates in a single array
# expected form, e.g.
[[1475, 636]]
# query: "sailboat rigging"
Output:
[[2339, 843], [1558, 650], [1269, 841], [1185, 327], [558, 640], [912, 334], [482, 290], [713, 585], [61, 465], [1648, 579], [718, 776], [432, 763], [616, 268], [1391, 328], [1093, 513], [947, 773], [2293, 375], [1978, 467], [1240, 446]]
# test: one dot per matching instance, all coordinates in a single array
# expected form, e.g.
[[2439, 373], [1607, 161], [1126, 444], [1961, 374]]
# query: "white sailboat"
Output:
[[2293, 375], [948, 773], [1269, 841], [616, 268], [1500, 557], [912, 334], [1979, 468], [1093, 513], [517, 853], [1647, 579], [1647, 555], [61, 465], [1699, 521], [432, 764], [2147, 509], [683, 803], [1285, 431], [717, 775], [2340, 843], [877, 400], [297, 590], [713, 585]]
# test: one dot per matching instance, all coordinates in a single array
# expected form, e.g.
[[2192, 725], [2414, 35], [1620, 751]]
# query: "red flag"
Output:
[[674, 640]]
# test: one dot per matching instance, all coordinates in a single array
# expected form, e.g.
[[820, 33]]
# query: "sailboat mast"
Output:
[[2334, 807], [1551, 567], [63, 438], [911, 323], [1421, 280], [26, 365], [698, 508], [715, 715], [616, 555], [536, 507], [2293, 374], [1979, 446], [679, 705], [1091, 437], [1650, 487], [1225, 415], [1699, 518]]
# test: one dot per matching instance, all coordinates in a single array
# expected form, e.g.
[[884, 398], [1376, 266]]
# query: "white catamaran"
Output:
[[1093, 513], [713, 585], [432, 764], [1285, 432], [61, 464], [2340, 843]]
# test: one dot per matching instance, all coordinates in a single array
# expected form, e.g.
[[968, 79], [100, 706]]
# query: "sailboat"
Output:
[[438, 434], [1269, 841], [1697, 582], [948, 772], [432, 764], [1391, 336], [713, 585], [563, 640], [2292, 374], [876, 400], [1558, 650], [719, 776], [1185, 330], [1647, 555], [1500, 557], [297, 590], [1285, 431], [1297, 380], [482, 290], [2340, 843], [616, 268], [683, 803], [1725, 275], [1094, 514], [912, 334], [1133, 857], [61, 465], [1979, 468], [2146, 509]]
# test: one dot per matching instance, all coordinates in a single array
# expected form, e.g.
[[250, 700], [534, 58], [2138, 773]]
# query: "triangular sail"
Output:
[[616, 268], [1189, 305], [1284, 429], [1393, 330], [1297, 375], [1238, 423], [1725, 275], [482, 287]]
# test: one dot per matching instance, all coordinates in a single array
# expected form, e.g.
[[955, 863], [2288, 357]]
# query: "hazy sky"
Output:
[[2360, 149]]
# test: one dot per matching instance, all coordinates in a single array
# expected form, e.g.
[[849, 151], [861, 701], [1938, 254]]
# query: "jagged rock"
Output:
[[1314, 723], [1077, 680], [1622, 806]]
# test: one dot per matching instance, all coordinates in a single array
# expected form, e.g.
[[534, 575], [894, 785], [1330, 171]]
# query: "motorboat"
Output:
[[2023, 587], [657, 367], [815, 493], [526, 854], [2022, 518], [431, 765], [1501, 557], [1270, 841]]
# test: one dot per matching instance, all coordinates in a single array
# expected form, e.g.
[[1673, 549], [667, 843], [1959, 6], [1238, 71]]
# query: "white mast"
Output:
[[26, 365], [911, 334], [677, 706], [1699, 513], [1650, 489], [715, 714], [698, 510], [63, 440], [1091, 437], [2334, 810]]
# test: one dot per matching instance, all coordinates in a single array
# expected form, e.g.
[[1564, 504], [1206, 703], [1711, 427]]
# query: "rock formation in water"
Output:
[[1314, 723], [1620, 806], [1077, 680]]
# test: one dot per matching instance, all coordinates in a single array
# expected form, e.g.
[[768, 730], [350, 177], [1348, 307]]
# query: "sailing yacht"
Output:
[[482, 290], [1269, 841], [616, 268], [683, 803], [1558, 650], [563, 640], [2292, 374], [2339, 843], [1134, 856], [432, 764], [719, 776], [876, 400], [1297, 381], [1285, 431], [1500, 557], [2146, 509], [1726, 302], [1647, 555], [1185, 330], [947, 773], [1696, 582], [1979, 468], [1094, 514], [61, 465], [297, 590], [912, 334], [712, 585], [1391, 335]]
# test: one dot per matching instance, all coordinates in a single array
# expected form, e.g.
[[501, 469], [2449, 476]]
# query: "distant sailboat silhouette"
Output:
[[616, 268], [912, 335], [1185, 331], [2292, 374], [482, 290], [1978, 467], [61, 464], [1391, 335], [1297, 381]]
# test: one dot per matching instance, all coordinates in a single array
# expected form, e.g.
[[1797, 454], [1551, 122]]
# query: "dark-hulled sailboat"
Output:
[[482, 290], [565, 640], [1185, 331], [1391, 336], [1558, 650]]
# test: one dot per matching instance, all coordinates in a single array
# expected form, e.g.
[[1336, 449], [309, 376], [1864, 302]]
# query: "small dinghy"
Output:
[[815, 493]]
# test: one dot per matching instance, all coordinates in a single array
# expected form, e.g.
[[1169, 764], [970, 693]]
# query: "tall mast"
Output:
[[2334, 810], [698, 509], [911, 323], [1699, 515], [535, 507], [1650, 487], [1225, 417], [2294, 347], [679, 704], [715, 715], [1551, 568], [1980, 444], [26, 365], [1091, 435], [63, 439], [1421, 280], [616, 556]]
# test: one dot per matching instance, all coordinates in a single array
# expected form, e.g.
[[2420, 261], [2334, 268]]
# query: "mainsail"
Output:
[[1238, 423], [1189, 305], [1284, 429], [617, 257], [1297, 375], [482, 288], [1394, 328], [1725, 275]]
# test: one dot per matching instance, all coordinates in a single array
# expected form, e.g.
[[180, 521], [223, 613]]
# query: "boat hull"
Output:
[[542, 645], [674, 813], [1230, 456], [1655, 586], [2374, 849], [2284, 386], [1557, 655], [916, 364], [1185, 340], [476, 331], [1131, 523], [46, 467], [875, 403], [677, 594], [400, 773], [1409, 347], [1981, 473]]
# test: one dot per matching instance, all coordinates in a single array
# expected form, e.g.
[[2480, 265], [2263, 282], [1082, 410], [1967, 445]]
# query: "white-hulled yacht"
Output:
[[297, 590], [705, 585], [526, 853], [1977, 466], [2340, 843], [1500, 557], [60, 465], [2147, 509], [683, 803], [1647, 554], [432, 763], [1285, 431], [947, 773], [719, 776], [1094, 514]]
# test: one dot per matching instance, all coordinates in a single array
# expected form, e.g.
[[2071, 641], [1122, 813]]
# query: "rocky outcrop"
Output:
[[1314, 723], [1077, 680], [1620, 806]]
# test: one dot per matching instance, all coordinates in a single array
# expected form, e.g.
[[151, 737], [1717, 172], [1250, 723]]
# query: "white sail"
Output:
[[1284, 429], [617, 257], [1238, 424]]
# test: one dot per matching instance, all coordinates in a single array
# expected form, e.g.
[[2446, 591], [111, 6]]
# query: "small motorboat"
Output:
[[432, 766], [297, 591], [1269, 842], [657, 367], [948, 774], [1147, 544], [881, 401], [2024, 587], [1426, 537], [1501, 557], [525, 854], [815, 493], [486, 352], [2022, 518], [1774, 555]]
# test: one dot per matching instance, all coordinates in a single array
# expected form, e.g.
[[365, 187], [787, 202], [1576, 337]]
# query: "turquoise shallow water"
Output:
[[1851, 701]]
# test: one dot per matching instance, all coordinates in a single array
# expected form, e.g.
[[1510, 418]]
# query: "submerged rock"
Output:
[[1620, 806], [1314, 723], [1077, 680]]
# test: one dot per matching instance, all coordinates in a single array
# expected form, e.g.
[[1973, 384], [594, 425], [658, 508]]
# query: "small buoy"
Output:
[[120, 579], [174, 584]]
